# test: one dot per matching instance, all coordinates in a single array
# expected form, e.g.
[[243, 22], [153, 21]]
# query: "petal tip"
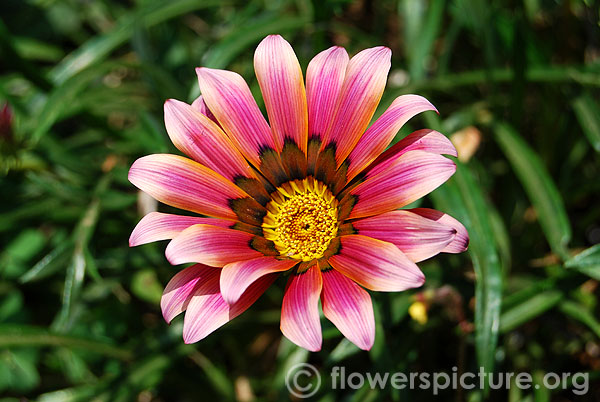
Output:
[[172, 255], [189, 340], [230, 298]]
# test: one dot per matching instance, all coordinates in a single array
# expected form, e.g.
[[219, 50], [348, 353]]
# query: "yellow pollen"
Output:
[[301, 219]]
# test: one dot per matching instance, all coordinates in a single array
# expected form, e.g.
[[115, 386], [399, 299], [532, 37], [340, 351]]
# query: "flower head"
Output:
[[312, 194]]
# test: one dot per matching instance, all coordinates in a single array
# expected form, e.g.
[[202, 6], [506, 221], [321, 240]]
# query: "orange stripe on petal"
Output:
[[208, 311], [280, 78], [381, 133], [363, 86], [183, 183], [199, 137], [417, 237], [230, 100], [237, 276], [376, 265], [211, 245], [300, 321], [460, 242], [400, 182], [158, 226], [324, 78], [349, 308]]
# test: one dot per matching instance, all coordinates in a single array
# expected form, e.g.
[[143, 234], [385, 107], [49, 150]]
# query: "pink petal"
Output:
[[230, 100], [158, 226], [349, 308], [423, 140], [183, 183], [207, 310], [363, 86], [211, 245], [376, 265], [406, 179], [237, 276], [324, 79], [381, 133], [199, 137], [460, 242], [180, 288], [201, 107], [300, 321], [417, 237], [280, 79]]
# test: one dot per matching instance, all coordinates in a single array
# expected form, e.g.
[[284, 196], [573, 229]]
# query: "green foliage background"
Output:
[[86, 80]]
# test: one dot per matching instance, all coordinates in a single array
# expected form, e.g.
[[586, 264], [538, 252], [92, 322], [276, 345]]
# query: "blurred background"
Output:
[[82, 85]]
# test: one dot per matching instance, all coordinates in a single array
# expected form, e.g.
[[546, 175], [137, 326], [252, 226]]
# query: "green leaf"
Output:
[[529, 309], [76, 269], [146, 286], [49, 264], [225, 51], [18, 370], [64, 97], [422, 28], [463, 198], [465, 202], [13, 262], [97, 48], [343, 350], [582, 314], [11, 303], [24, 335], [587, 262], [219, 378], [588, 114], [540, 392], [538, 185]]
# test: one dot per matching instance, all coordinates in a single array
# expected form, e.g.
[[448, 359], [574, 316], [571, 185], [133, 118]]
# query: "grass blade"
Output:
[[540, 188], [462, 197], [588, 114], [580, 313], [25, 335], [529, 309], [97, 48], [587, 262]]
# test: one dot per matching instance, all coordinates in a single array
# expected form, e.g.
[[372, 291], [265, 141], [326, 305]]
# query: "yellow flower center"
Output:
[[301, 219]]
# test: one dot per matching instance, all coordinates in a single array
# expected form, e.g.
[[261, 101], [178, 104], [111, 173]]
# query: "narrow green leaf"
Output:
[[97, 48], [540, 392], [463, 198], [588, 114], [529, 309], [219, 379], [25, 335], [465, 201], [64, 96], [540, 188], [422, 28], [250, 34], [587, 258], [146, 286], [543, 74], [76, 269], [343, 350], [580, 313], [49, 264]]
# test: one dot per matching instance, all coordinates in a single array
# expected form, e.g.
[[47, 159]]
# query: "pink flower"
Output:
[[312, 193]]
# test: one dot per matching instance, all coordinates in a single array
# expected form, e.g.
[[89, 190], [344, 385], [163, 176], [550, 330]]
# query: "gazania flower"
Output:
[[311, 194]]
